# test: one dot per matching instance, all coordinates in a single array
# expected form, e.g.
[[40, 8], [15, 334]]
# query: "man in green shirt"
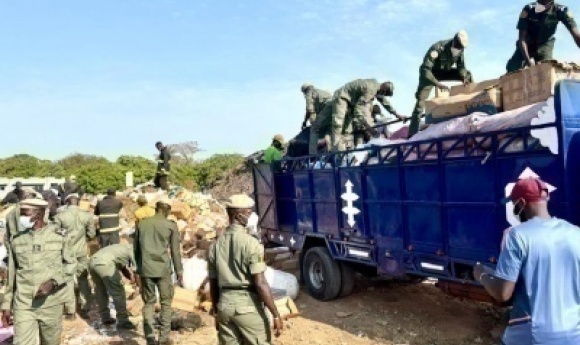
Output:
[[444, 61], [104, 267], [80, 226], [37, 275], [537, 26], [237, 283], [154, 237], [274, 152]]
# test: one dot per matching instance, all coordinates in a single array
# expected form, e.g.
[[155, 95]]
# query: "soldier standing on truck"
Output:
[[351, 107], [537, 26], [163, 168], [109, 219], [316, 101], [444, 61], [237, 283], [538, 268]]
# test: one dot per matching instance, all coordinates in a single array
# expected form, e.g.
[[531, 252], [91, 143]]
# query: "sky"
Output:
[[110, 77]]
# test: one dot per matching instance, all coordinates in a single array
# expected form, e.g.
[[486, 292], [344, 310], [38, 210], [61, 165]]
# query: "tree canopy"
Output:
[[96, 174]]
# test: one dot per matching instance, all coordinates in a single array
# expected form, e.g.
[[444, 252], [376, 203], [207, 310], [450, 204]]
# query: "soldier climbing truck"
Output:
[[414, 209]]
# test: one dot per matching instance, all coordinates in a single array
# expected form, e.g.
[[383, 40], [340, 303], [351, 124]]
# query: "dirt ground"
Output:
[[377, 313]]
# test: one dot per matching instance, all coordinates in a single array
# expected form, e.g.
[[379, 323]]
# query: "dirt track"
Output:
[[378, 312]]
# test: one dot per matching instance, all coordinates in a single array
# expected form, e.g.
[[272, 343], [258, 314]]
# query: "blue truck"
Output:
[[432, 216]]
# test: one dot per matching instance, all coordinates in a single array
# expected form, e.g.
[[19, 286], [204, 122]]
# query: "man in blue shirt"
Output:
[[540, 269]]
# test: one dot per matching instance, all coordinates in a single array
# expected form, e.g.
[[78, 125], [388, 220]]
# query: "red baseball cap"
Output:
[[528, 189]]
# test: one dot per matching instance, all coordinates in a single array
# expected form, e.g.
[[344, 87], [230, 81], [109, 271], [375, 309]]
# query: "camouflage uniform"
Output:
[[232, 261], [80, 227], [351, 109], [438, 65], [540, 28], [316, 101]]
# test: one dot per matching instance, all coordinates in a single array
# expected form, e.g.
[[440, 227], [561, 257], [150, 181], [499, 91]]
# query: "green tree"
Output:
[[212, 169], [143, 169], [21, 165], [97, 177], [75, 162]]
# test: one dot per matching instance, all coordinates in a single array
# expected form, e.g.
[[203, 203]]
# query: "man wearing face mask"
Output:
[[444, 61], [153, 237], [351, 108], [237, 283], [538, 268], [37, 275], [537, 27]]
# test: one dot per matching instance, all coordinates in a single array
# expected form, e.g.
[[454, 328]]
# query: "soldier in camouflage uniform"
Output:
[[155, 237], [80, 226], [105, 266], [238, 286], [537, 26], [445, 61], [316, 101], [351, 108], [37, 275]]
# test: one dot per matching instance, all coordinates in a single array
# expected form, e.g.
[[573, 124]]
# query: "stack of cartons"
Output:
[[483, 97], [535, 84]]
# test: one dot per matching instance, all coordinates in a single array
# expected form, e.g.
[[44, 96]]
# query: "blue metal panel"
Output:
[[422, 182], [326, 218], [302, 185], [470, 181], [383, 184], [472, 231], [425, 230], [568, 108]]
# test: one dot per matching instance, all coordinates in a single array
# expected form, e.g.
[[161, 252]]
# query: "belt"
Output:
[[520, 321], [107, 230], [109, 215], [239, 288]]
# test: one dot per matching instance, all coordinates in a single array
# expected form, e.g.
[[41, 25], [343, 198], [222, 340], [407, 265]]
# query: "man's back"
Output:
[[153, 237], [547, 253], [79, 224]]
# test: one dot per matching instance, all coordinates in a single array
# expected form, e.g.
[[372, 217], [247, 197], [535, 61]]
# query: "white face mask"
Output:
[[455, 52], [26, 222], [539, 8]]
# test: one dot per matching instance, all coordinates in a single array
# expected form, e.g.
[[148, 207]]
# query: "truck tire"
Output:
[[321, 274], [347, 275]]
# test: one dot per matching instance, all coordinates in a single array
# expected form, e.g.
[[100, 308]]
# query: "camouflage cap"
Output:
[[306, 86], [72, 195], [240, 201], [33, 203], [462, 38]]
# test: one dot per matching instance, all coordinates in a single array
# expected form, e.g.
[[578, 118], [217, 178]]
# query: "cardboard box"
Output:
[[286, 307], [535, 84], [185, 300], [473, 87], [440, 93], [488, 101], [181, 210]]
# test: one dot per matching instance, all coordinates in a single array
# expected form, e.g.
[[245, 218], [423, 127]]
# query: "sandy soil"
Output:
[[378, 312]]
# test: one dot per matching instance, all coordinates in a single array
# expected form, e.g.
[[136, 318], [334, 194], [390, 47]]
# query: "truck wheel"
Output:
[[347, 275], [321, 274]]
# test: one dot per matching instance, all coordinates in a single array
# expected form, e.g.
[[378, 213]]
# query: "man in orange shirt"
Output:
[[144, 210]]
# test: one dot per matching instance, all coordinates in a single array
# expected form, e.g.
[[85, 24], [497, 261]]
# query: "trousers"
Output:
[[166, 291], [107, 281], [242, 320], [85, 297], [30, 324]]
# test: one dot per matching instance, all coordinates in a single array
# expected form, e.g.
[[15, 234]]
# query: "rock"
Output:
[[344, 314]]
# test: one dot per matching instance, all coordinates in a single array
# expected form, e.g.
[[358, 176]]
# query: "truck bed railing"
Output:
[[465, 146]]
